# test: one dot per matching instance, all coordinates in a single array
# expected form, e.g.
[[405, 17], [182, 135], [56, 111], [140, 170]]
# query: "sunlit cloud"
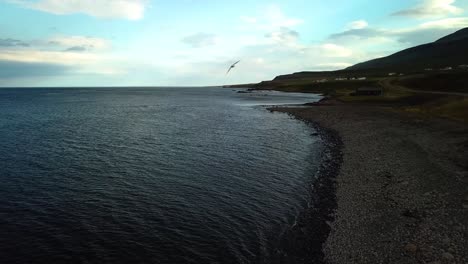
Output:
[[333, 50], [431, 8], [200, 40], [125, 9], [277, 18], [422, 33], [284, 36], [272, 18], [358, 24], [65, 54], [79, 43], [51, 57], [459, 22]]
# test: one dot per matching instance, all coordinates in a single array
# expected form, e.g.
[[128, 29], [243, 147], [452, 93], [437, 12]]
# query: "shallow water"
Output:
[[160, 175]]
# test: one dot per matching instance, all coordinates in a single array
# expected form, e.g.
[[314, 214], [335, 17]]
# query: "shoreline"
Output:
[[303, 241], [401, 188]]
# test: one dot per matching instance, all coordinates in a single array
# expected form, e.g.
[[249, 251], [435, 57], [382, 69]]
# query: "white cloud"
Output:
[[454, 23], [333, 50], [428, 31], [276, 27], [126, 9], [76, 62], [53, 57], [280, 51], [271, 19], [358, 24], [66, 52], [284, 36], [423, 33], [431, 8], [200, 40], [276, 18], [85, 43]]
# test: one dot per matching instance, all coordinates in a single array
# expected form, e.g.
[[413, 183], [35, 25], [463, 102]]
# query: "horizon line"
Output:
[[126, 86]]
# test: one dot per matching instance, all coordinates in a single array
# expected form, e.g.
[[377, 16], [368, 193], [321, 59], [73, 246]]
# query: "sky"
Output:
[[193, 42]]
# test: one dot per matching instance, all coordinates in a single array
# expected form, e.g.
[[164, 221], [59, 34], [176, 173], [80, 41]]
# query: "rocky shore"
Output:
[[302, 243], [401, 189]]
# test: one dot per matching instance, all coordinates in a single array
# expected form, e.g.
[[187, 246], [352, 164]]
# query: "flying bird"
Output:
[[232, 67]]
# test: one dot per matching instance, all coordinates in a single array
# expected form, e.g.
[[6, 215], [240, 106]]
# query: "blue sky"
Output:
[[193, 42]]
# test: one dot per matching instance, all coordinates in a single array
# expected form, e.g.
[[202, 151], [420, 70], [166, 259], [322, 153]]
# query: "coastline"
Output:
[[401, 189], [303, 242]]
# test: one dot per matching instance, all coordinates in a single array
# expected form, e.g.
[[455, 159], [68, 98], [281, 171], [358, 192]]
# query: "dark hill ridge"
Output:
[[459, 35], [451, 50]]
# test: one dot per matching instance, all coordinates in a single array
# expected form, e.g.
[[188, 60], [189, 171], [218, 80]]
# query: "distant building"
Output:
[[428, 69], [366, 91], [447, 69], [391, 73], [463, 66], [362, 78], [340, 79], [322, 80]]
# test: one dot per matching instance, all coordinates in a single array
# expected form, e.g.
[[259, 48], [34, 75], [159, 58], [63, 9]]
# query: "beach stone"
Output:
[[411, 248], [448, 256], [446, 241], [367, 192]]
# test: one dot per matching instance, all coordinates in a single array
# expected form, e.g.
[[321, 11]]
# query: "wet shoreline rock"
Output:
[[400, 197]]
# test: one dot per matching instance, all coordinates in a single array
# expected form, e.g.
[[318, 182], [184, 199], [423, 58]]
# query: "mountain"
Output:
[[451, 50], [459, 35]]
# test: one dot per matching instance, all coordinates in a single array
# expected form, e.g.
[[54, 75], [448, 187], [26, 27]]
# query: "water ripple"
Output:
[[168, 175]]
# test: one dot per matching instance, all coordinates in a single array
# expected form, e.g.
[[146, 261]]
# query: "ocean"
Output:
[[150, 175]]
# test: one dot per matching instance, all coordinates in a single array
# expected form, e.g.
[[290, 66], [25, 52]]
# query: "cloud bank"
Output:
[[431, 8], [268, 41], [124, 9], [8, 42], [18, 69], [200, 40], [358, 24]]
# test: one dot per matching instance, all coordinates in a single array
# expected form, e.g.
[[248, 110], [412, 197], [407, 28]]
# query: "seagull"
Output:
[[232, 67]]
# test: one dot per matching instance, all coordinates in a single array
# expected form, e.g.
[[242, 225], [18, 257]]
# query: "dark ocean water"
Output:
[[162, 175]]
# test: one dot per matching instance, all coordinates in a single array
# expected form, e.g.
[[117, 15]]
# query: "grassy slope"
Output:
[[452, 107], [449, 82], [398, 92]]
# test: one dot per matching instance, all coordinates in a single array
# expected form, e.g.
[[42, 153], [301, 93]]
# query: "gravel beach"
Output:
[[401, 190]]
